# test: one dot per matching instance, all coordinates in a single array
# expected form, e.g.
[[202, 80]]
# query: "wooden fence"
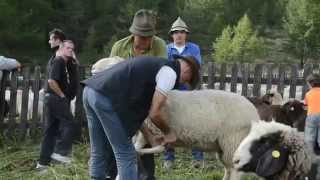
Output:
[[245, 79]]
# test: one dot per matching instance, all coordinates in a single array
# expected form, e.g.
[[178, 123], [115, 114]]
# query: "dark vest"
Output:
[[130, 85]]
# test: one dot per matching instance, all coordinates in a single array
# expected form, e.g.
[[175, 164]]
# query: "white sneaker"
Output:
[[41, 168], [60, 158]]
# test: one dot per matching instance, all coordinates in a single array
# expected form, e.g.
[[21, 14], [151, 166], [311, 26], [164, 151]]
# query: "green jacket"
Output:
[[124, 48]]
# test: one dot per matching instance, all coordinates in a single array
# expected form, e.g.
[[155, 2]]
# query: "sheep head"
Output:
[[295, 113], [268, 150]]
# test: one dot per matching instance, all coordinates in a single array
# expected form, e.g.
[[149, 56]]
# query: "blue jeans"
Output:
[[107, 136], [312, 131], [196, 154]]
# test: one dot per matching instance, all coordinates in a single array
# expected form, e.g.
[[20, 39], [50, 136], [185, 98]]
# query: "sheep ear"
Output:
[[272, 161]]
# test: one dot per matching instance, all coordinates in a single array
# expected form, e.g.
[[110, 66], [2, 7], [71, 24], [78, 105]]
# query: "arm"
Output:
[[156, 117], [161, 50], [114, 50], [158, 101], [165, 79], [55, 87], [74, 76], [8, 63], [198, 54], [55, 75]]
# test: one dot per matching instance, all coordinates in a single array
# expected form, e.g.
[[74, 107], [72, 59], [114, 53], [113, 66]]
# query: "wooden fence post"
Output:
[[245, 69], [281, 78], [234, 78], [23, 126], [79, 111], [307, 70], [13, 104], [257, 80], [36, 87], [293, 80], [269, 77], [223, 73], [211, 75], [3, 81]]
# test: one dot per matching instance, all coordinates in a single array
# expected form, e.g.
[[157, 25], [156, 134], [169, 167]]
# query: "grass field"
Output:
[[17, 162]]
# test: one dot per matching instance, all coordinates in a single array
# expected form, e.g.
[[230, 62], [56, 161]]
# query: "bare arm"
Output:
[[55, 87], [158, 101], [8, 63]]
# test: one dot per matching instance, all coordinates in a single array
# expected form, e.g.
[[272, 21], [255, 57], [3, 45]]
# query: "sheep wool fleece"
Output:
[[211, 120]]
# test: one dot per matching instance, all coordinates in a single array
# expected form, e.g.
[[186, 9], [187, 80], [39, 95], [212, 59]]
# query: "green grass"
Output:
[[17, 162]]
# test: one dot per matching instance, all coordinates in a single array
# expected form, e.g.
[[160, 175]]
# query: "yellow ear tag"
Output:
[[275, 154]]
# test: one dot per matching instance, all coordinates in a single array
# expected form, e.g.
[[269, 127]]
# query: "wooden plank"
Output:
[[44, 83], [307, 70], [223, 74], [245, 69], [79, 111], [211, 75], [234, 77], [13, 103], [23, 126], [269, 76], [201, 72], [293, 80], [257, 80], [35, 87], [281, 76], [3, 81]]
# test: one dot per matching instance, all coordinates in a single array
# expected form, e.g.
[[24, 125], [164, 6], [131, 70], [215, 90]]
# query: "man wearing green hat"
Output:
[[141, 42], [179, 46]]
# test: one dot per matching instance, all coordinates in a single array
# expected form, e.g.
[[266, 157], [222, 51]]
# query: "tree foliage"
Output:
[[95, 25], [302, 23], [238, 44]]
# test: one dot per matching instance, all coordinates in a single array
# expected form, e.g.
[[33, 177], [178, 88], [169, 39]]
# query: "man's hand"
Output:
[[169, 138]]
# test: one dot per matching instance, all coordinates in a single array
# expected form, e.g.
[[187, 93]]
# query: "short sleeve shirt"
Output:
[[58, 71]]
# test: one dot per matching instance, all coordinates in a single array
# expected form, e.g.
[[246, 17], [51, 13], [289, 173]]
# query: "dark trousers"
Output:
[[146, 167], [58, 123]]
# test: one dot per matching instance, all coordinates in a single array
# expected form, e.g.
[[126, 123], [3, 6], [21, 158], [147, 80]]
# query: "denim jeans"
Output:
[[107, 136], [312, 131], [58, 124]]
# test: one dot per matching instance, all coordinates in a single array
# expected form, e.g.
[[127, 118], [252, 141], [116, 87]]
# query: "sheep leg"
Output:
[[227, 173], [235, 175], [231, 174]]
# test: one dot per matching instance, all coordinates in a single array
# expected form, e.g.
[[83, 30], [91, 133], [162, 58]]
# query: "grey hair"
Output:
[[61, 45]]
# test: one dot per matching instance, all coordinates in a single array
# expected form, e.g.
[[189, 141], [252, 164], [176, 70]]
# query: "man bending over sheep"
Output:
[[118, 99]]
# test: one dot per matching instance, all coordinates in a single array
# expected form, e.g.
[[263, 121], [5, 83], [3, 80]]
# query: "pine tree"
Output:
[[239, 44]]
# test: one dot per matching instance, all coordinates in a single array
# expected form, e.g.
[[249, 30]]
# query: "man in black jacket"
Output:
[[61, 89], [118, 99]]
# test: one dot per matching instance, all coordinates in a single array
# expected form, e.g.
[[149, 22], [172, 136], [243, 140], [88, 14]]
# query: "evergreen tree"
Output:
[[239, 44], [302, 23]]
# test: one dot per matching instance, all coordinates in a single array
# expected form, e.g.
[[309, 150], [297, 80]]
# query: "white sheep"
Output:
[[105, 63], [274, 151], [211, 120], [31, 101]]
